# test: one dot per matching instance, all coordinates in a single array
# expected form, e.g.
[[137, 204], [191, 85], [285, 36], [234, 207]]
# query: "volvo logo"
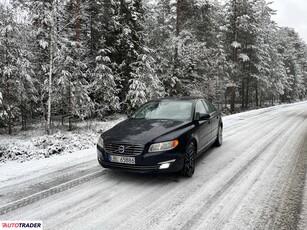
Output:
[[121, 149]]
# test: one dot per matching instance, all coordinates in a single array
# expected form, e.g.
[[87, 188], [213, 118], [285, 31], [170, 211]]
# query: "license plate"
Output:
[[122, 160]]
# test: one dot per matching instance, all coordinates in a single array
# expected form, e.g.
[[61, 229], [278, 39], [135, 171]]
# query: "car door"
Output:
[[214, 118], [203, 127]]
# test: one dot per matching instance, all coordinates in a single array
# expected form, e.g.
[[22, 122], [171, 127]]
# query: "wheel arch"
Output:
[[193, 139]]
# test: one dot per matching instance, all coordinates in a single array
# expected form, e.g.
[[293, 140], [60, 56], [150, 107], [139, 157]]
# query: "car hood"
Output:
[[142, 131]]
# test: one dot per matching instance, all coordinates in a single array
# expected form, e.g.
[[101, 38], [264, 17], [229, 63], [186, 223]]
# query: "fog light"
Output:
[[164, 166]]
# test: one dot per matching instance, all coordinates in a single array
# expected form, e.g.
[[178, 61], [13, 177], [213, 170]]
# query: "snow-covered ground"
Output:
[[35, 144], [254, 181]]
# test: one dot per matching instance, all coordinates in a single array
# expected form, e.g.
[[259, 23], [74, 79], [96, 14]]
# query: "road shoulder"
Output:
[[303, 215]]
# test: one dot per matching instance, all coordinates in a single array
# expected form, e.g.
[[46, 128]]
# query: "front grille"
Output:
[[131, 167], [124, 148]]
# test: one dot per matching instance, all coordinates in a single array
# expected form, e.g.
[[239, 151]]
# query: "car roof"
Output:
[[184, 98]]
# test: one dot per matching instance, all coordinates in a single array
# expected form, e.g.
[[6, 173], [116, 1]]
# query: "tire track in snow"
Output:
[[291, 201], [180, 197], [194, 219], [39, 183], [48, 192], [303, 209], [232, 203], [242, 127]]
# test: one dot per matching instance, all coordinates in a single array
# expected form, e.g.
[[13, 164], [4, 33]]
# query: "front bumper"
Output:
[[145, 162]]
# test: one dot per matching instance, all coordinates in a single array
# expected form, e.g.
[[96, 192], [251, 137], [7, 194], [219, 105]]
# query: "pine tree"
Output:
[[73, 84], [123, 46], [102, 66], [8, 67], [104, 86], [249, 25], [40, 17], [16, 83], [160, 27], [293, 52]]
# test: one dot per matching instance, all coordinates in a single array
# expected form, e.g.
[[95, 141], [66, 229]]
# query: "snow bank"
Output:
[[33, 144]]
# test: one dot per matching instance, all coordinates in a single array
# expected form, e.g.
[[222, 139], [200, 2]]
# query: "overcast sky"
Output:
[[292, 13]]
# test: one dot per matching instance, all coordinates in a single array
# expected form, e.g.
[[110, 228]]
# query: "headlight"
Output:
[[100, 142], [163, 146]]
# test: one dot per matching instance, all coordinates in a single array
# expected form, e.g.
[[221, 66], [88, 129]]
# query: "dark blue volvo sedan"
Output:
[[163, 135]]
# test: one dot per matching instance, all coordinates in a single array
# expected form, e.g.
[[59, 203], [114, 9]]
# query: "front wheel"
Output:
[[189, 160], [219, 138]]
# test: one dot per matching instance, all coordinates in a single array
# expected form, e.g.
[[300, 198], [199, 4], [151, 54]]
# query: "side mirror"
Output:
[[202, 116]]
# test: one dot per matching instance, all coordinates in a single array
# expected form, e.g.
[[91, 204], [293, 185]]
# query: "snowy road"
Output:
[[254, 181]]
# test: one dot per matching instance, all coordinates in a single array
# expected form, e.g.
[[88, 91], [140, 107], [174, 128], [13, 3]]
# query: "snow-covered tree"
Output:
[[293, 52], [72, 80], [160, 36], [16, 81], [8, 65], [107, 56], [250, 47]]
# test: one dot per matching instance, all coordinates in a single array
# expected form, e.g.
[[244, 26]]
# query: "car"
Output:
[[163, 135]]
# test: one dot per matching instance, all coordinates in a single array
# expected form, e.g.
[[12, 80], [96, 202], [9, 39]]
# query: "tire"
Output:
[[189, 160], [219, 138]]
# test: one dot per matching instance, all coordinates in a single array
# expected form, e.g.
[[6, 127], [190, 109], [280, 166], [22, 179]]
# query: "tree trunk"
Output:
[[69, 105], [22, 119], [25, 121], [247, 92], [257, 96], [8, 93], [178, 11], [78, 26], [57, 17], [50, 69], [91, 35], [9, 109], [234, 59], [242, 92]]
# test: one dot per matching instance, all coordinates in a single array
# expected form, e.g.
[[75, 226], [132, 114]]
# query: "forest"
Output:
[[80, 59]]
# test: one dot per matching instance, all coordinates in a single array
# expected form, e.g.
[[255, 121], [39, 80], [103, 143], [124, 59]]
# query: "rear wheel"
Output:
[[189, 160], [219, 139]]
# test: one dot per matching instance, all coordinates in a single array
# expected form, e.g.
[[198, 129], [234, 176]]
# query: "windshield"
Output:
[[165, 110]]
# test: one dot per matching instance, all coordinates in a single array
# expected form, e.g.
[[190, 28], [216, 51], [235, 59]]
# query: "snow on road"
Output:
[[254, 181]]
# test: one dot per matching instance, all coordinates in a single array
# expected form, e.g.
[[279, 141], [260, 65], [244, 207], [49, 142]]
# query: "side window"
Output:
[[211, 108], [200, 108]]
